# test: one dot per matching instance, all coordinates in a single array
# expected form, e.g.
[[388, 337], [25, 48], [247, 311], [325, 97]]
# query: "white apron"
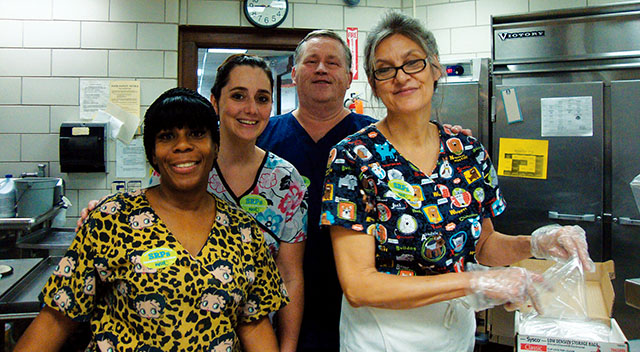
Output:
[[444, 326]]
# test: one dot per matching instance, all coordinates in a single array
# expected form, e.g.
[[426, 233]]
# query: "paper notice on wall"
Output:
[[525, 158], [129, 122], [131, 160], [566, 117], [126, 94], [94, 95]]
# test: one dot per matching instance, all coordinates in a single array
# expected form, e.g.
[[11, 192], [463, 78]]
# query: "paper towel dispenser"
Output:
[[83, 147]]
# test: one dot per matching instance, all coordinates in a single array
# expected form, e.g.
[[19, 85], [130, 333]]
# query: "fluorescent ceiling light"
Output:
[[227, 51]]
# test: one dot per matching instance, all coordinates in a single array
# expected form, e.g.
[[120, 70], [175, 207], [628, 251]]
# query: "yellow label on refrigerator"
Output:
[[523, 158]]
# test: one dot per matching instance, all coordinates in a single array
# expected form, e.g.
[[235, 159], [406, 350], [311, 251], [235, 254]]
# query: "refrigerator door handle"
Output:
[[573, 217], [627, 221]]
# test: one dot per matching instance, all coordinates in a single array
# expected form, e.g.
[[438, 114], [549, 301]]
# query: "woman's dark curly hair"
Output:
[[178, 108]]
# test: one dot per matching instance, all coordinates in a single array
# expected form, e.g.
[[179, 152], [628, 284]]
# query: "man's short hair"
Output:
[[327, 34]]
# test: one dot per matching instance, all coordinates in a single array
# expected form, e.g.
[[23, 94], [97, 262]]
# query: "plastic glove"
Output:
[[512, 286], [560, 243]]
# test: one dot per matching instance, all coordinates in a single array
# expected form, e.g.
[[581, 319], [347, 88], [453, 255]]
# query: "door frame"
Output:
[[191, 38]]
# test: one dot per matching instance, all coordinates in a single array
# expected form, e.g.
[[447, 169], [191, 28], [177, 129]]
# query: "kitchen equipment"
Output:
[[83, 147], [632, 292], [461, 98], [635, 189], [22, 296], [55, 240], [34, 195], [12, 230], [5, 270], [576, 78], [7, 197]]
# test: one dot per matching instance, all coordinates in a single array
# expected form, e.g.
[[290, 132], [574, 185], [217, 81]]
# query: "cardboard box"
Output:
[[500, 326], [599, 296]]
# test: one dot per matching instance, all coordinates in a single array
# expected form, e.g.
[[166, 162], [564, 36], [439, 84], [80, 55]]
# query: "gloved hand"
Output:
[[511, 286], [560, 243]]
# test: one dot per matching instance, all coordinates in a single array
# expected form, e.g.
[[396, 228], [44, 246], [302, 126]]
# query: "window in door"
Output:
[[280, 62]]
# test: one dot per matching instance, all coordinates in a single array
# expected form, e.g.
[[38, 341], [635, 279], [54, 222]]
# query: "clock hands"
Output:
[[275, 4]]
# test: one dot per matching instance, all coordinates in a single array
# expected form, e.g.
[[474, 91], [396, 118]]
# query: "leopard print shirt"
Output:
[[142, 291]]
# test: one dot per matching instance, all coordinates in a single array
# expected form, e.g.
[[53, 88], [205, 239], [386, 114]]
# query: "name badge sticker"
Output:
[[402, 189], [158, 258], [253, 203], [306, 180]]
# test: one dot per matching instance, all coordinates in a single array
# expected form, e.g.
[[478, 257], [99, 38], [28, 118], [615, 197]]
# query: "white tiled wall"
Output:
[[137, 11], [24, 119], [46, 34], [318, 16], [455, 14], [25, 62], [81, 10], [105, 35], [47, 46], [222, 13], [10, 88], [49, 91], [79, 63], [136, 63]]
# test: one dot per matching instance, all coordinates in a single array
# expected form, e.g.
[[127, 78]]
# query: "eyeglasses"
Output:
[[413, 66]]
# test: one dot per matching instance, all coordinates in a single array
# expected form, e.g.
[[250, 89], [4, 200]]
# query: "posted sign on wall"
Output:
[[352, 42]]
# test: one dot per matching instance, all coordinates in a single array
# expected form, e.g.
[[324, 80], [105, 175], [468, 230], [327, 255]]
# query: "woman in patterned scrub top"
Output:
[[171, 267], [260, 182], [410, 205], [263, 184]]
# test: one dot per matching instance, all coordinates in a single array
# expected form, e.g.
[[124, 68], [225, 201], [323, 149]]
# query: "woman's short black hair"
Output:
[[224, 70], [178, 108]]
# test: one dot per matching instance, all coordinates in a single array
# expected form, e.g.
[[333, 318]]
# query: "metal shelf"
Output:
[[26, 224], [47, 238]]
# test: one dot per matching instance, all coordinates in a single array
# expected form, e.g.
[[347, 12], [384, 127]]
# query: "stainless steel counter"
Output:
[[19, 297], [20, 268]]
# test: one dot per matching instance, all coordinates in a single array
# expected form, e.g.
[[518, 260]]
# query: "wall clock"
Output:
[[265, 13]]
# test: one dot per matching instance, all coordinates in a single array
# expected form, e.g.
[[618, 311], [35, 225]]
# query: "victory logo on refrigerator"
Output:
[[517, 35]]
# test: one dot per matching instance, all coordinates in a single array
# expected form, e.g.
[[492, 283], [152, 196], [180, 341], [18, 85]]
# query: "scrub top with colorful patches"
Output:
[[423, 224], [142, 291], [276, 199]]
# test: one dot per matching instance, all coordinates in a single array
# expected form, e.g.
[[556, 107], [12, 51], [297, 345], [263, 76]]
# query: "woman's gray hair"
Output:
[[398, 23]]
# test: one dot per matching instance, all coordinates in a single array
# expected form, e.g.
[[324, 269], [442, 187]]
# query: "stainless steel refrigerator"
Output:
[[572, 78], [462, 97]]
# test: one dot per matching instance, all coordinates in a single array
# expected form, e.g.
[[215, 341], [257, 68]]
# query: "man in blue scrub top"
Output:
[[304, 137]]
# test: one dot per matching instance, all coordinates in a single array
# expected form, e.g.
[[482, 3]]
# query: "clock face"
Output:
[[266, 13]]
